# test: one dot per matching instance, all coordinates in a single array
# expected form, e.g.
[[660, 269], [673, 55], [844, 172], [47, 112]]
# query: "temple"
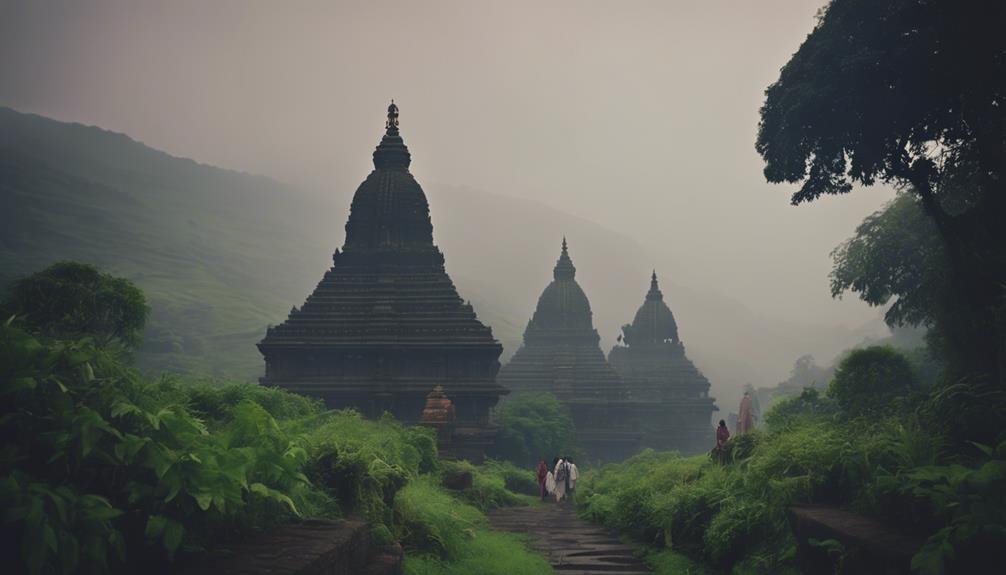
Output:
[[675, 407], [561, 355], [385, 324]]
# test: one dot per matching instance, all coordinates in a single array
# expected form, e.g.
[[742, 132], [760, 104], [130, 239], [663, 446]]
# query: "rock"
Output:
[[458, 480]]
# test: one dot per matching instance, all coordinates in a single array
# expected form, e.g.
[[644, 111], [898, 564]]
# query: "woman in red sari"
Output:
[[722, 436], [542, 476]]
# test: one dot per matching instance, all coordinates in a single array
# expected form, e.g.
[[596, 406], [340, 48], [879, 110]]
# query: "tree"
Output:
[[868, 380], [910, 93], [70, 299], [532, 426]]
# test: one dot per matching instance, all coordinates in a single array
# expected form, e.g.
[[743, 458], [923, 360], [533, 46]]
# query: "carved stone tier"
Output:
[[561, 355], [675, 407], [385, 324]]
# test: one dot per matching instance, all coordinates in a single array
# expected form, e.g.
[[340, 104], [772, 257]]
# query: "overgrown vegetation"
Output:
[[817, 449], [534, 426], [105, 470]]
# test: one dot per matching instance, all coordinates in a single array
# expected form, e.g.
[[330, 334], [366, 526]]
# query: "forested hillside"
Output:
[[222, 254]]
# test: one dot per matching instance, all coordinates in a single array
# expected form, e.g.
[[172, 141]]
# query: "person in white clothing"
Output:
[[574, 474], [561, 479]]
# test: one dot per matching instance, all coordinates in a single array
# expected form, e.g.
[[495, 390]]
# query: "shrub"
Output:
[[810, 404], [97, 464], [444, 536], [869, 380], [533, 426]]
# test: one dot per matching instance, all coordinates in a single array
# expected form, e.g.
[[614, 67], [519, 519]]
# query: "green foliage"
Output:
[[733, 516], [494, 483], [96, 463], [858, 103], [810, 404], [363, 463], [533, 426], [968, 502], [75, 300], [444, 536], [895, 253], [870, 380], [215, 401]]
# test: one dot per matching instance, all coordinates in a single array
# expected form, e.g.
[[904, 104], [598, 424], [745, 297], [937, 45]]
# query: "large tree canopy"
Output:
[[913, 93], [75, 299]]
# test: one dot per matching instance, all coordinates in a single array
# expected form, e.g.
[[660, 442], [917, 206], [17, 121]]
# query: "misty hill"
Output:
[[222, 254]]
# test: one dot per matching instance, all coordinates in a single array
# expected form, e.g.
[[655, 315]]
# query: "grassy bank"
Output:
[[731, 517]]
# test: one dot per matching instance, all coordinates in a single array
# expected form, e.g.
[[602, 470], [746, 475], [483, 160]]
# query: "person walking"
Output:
[[542, 478], [561, 480], [574, 474]]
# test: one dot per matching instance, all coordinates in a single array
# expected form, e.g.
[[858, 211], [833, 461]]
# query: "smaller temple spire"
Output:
[[564, 269], [654, 293]]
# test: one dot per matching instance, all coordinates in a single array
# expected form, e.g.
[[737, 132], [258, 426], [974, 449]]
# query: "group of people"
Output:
[[559, 480]]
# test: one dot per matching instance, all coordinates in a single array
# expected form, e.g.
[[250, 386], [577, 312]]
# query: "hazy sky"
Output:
[[638, 115]]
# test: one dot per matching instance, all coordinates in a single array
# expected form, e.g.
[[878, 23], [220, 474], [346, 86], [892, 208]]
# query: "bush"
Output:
[[869, 381], [97, 464], [533, 426], [444, 536], [793, 411], [733, 516]]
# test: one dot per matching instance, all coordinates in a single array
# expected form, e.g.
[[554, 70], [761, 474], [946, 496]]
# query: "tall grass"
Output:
[[445, 536]]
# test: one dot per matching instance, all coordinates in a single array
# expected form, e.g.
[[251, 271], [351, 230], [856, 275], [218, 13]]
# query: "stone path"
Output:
[[573, 546]]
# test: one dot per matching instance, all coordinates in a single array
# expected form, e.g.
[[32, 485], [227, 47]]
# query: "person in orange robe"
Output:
[[746, 415]]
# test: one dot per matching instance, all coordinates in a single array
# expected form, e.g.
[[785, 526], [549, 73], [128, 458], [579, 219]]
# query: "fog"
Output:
[[637, 116]]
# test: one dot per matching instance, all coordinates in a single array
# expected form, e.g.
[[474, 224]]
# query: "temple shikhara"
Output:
[[674, 404], [561, 354], [385, 324]]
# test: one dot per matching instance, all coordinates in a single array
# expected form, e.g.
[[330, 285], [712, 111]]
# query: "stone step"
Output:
[[571, 545], [309, 547]]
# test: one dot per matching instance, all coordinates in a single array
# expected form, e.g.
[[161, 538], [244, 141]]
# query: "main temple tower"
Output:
[[385, 324], [675, 407], [561, 355]]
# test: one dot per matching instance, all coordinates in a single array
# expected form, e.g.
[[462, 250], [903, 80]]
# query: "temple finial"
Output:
[[654, 292], [392, 123], [564, 267]]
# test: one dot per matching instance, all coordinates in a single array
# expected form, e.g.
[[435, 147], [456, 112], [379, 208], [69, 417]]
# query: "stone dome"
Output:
[[654, 322], [389, 209], [563, 305]]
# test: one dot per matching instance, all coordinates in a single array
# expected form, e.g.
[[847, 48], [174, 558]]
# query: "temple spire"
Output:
[[391, 152], [564, 269], [654, 292]]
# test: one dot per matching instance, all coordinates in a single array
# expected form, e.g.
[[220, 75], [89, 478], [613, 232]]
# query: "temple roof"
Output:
[[388, 286], [654, 322], [563, 305], [389, 209]]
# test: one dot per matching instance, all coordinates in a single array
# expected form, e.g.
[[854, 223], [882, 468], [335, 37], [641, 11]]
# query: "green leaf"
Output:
[[203, 499], [155, 526], [173, 531]]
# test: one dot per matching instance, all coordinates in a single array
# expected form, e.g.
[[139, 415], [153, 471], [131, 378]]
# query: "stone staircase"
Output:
[[571, 545]]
